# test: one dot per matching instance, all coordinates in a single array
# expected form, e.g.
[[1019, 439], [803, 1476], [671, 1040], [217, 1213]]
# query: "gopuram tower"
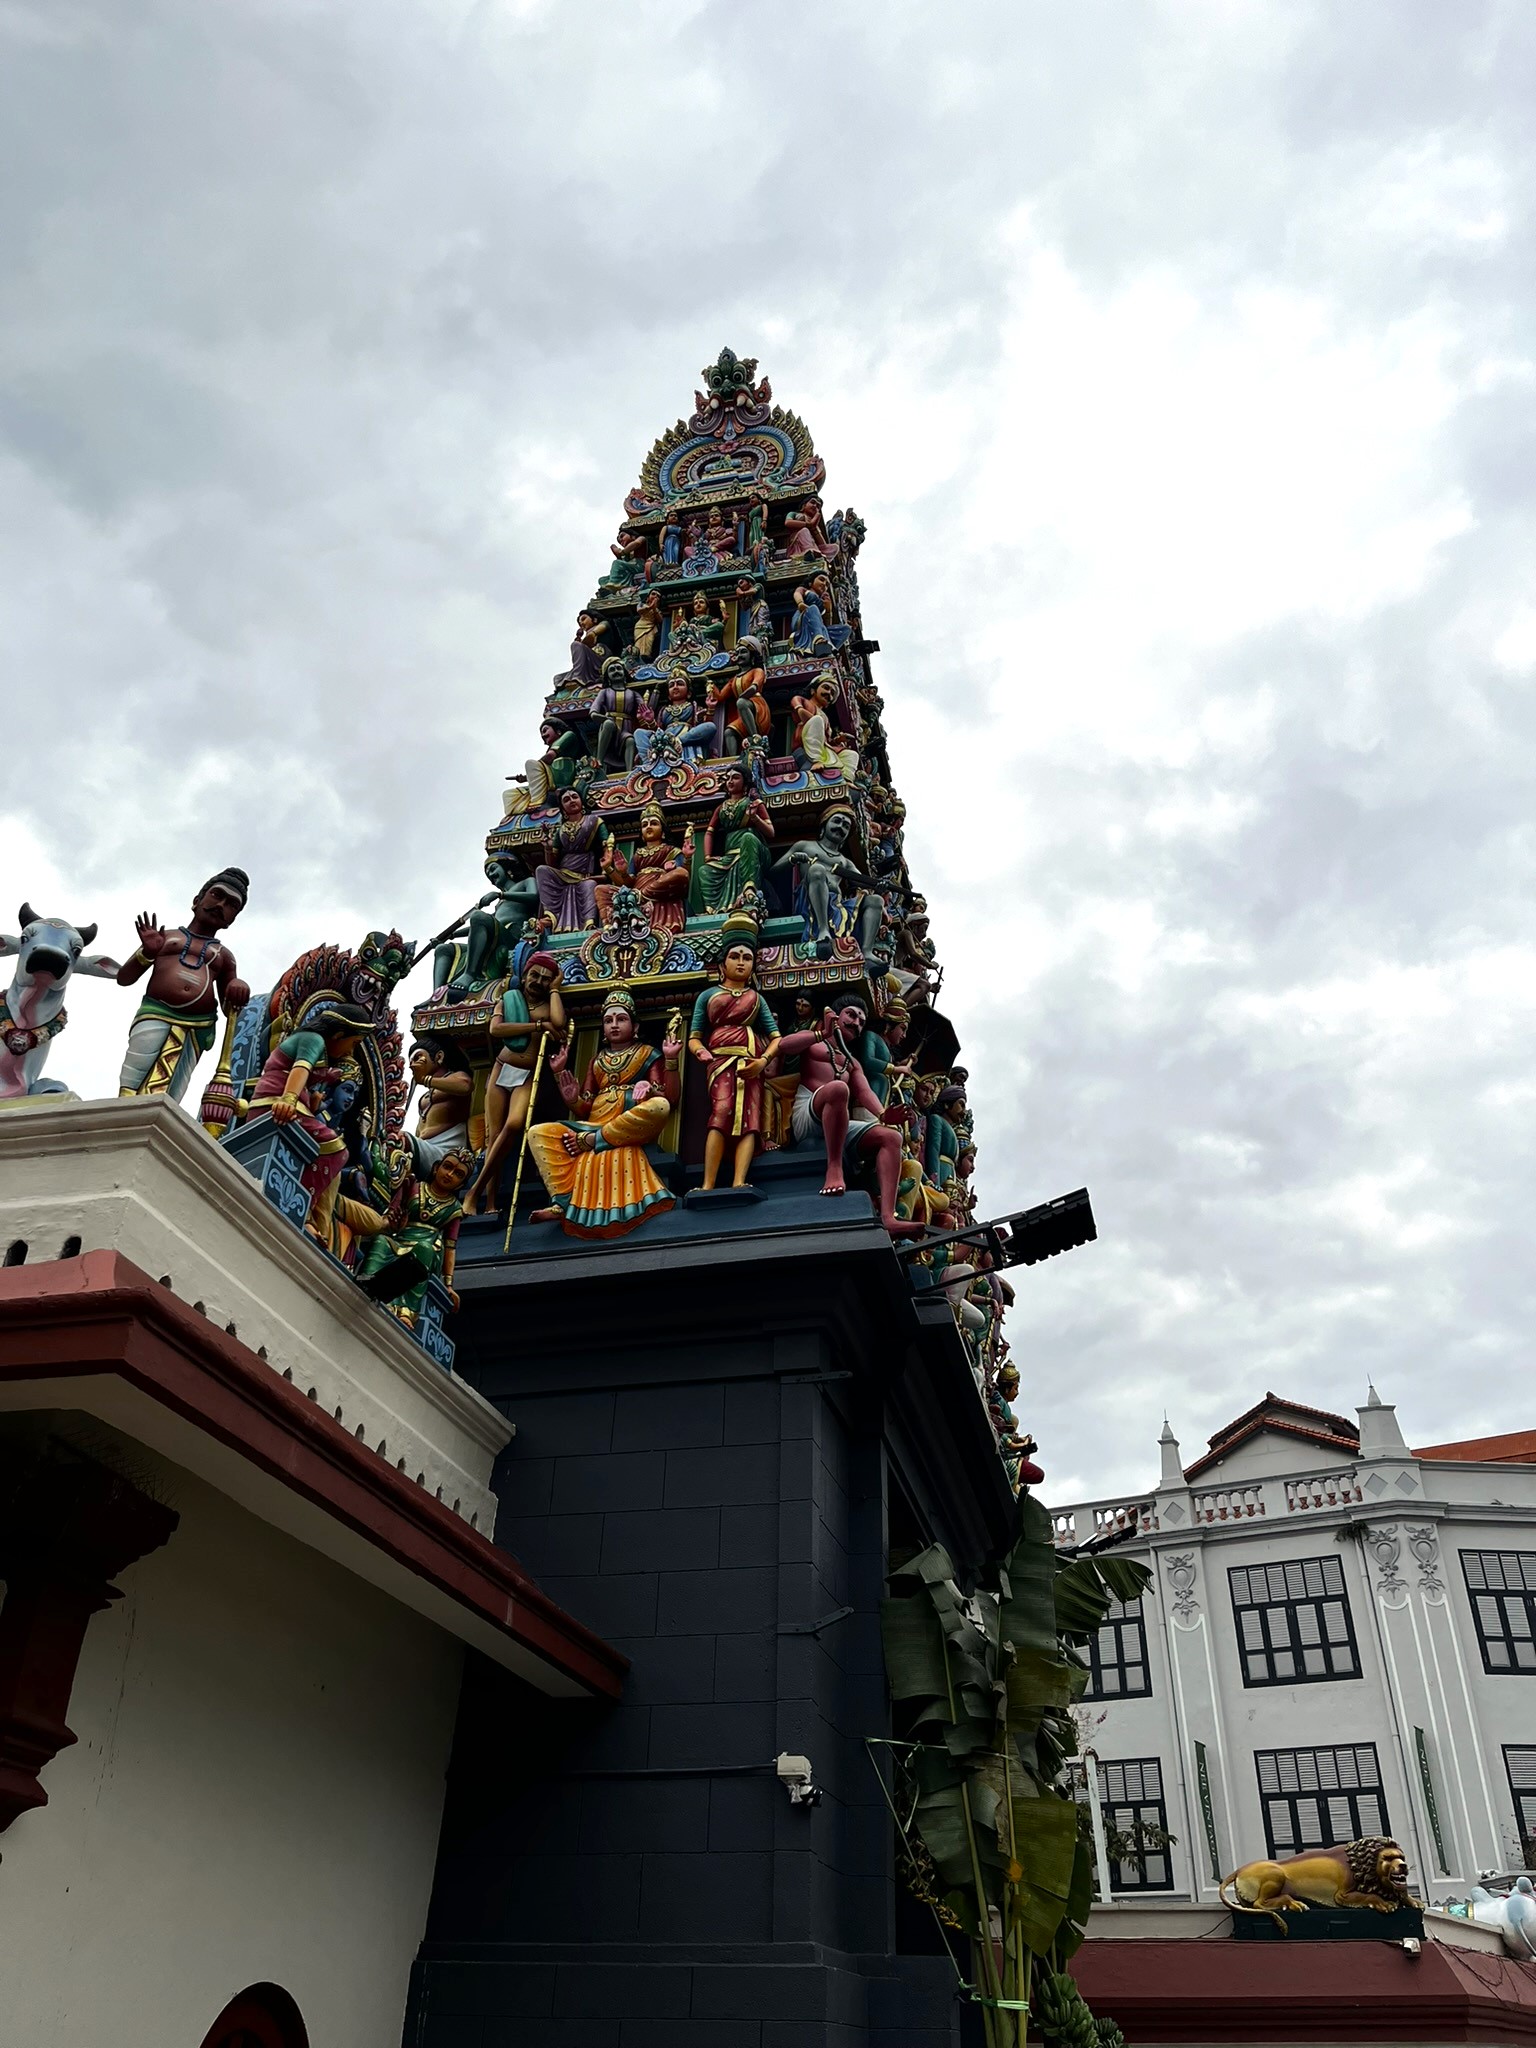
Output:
[[723, 1274]]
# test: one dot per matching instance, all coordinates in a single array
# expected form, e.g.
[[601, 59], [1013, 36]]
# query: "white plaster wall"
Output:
[[255, 1796]]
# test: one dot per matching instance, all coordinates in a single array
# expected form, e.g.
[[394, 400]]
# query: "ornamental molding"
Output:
[[1181, 1577], [1386, 1547], [1424, 1547]]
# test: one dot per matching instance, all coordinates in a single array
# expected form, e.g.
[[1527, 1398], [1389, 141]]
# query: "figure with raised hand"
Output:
[[629, 554], [291, 1087], [192, 976], [594, 1166], [836, 1103], [586, 653], [650, 624], [805, 534], [657, 868], [532, 1016], [734, 1035], [813, 735]]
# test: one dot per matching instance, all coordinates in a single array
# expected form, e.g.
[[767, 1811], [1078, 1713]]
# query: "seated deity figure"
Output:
[[813, 733], [554, 769], [531, 1014], [700, 629], [808, 632], [594, 1166], [720, 534], [616, 707], [649, 624], [586, 653], [805, 533], [495, 926], [734, 1036], [660, 747], [427, 1233], [629, 553], [832, 896], [656, 868], [567, 875], [835, 1103], [734, 855]]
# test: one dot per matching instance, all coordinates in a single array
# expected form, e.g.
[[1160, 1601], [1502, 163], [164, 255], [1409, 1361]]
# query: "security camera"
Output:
[[794, 1774]]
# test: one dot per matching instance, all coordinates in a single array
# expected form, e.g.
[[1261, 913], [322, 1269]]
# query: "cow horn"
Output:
[[87, 933], [28, 916]]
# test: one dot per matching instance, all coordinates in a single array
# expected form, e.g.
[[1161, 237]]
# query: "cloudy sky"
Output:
[[1180, 360]]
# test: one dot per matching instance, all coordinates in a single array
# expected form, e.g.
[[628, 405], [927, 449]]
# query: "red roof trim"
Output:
[[1342, 1425], [100, 1314], [1220, 1446]]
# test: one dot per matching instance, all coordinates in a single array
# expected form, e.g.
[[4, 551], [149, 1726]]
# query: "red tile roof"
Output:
[[1518, 1448], [1276, 1413]]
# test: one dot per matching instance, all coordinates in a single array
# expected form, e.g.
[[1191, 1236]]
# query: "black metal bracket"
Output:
[[1023, 1239]]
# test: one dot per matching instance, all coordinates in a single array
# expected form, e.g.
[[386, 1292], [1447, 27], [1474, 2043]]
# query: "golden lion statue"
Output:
[[1372, 1872]]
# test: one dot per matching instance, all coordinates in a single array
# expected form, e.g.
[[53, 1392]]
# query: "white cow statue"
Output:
[[32, 1012]]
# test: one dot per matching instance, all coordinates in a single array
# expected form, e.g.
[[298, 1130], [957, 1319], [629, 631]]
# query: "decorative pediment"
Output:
[[735, 442]]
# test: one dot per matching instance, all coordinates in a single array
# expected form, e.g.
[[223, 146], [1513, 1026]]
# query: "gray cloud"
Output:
[[1179, 358]]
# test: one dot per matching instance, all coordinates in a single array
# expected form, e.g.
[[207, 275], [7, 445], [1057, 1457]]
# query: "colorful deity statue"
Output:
[[698, 630], [532, 1019], [752, 613], [289, 1089], [836, 1104], [805, 533], [567, 875], [629, 553], [191, 975], [720, 534], [734, 1035], [426, 1234], [814, 737], [832, 896], [656, 868], [617, 706], [759, 547], [600, 1182], [650, 624], [586, 652], [735, 849], [494, 928], [808, 630], [878, 1051], [671, 539], [545, 774], [662, 746], [746, 711], [442, 1073]]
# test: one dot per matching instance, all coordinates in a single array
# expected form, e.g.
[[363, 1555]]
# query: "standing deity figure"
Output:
[[600, 1182], [567, 875], [616, 707], [759, 547], [813, 734], [734, 1035], [428, 1231], [735, 852], [191, 974], [531, 1014], [586, 653], [629, 553], [832, 896], [752, 613], [878, 1050], [836, 1103], [442, 1120], [671, 540], [656, 868], [290, 1089], [807, 535], [747, 712], [649, 625]]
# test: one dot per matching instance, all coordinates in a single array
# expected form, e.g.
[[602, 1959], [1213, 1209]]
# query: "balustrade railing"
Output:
[[1229, 1504], [1100, 1518], [1322, 1490]]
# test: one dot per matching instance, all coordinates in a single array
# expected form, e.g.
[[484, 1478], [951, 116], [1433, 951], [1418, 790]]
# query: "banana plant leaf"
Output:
[[1045, 1845], [1087, 1586], [914, 1649]]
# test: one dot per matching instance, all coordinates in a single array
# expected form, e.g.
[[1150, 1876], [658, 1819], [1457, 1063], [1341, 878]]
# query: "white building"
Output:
[[243, 1548], [1339, 1640]]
